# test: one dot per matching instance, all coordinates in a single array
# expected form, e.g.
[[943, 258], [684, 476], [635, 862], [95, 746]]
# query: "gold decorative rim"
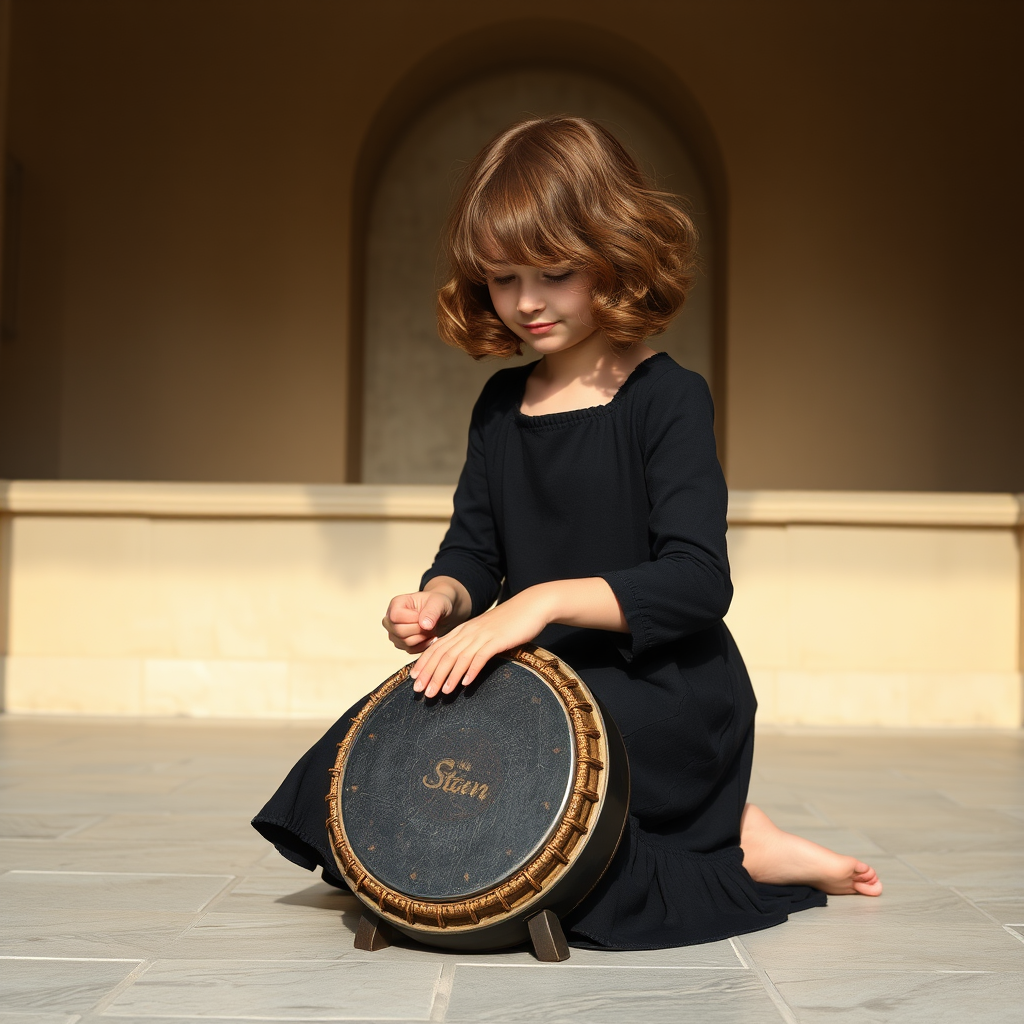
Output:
[[538, 876]]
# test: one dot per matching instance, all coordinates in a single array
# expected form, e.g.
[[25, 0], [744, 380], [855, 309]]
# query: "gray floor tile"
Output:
[[309, 990], [891, 997], [42, 826], [85, 784], [795, 815], [19, 799], [896, 947], [22, 892], [846, 840], [272, 865], [926, 906], [1007, 791], [841, 779], [93, 855], [83, 761], [984, 893], [56, 932], [974, 867], [67, 986], [563, 993], [921, 840], [257, 936], [762, 791], [1004, 911], [277, 894], [269, 767], [926, 810], [13, 1017], [720, 956], [177, 828]]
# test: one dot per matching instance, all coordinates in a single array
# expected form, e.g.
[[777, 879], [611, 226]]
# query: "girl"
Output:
[[592, 507]]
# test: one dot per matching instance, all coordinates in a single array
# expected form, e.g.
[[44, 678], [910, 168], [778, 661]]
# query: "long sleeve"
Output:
[[685, 586], [470, 551]]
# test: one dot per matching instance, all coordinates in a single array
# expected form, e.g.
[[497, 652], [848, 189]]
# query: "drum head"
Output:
[[445, 798]]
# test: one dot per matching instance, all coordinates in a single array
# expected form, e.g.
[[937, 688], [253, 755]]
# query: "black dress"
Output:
[[631, 492]]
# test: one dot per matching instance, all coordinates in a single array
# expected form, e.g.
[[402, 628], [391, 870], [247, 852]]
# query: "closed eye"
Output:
[[556, 278], [504, 280]]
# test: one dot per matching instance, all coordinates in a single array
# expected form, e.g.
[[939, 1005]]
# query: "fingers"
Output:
[[451, 662], [460, 655], [412, 620], [403, 609], [432, 611]]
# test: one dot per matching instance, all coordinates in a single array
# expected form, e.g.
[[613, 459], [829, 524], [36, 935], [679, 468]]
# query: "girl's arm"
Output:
[[459, 656]]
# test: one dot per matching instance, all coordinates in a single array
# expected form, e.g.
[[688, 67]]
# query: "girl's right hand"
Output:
[[413, 620]]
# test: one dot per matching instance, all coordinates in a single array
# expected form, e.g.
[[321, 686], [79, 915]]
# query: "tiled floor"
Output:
[[133, 889]]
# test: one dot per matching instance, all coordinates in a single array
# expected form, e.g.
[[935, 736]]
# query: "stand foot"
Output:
[[549, 945], [372, 933]]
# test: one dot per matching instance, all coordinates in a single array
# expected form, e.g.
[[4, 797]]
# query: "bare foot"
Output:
[[780, 858]]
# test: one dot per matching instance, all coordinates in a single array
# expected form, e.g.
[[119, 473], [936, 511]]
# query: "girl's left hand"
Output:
[[458, 656]]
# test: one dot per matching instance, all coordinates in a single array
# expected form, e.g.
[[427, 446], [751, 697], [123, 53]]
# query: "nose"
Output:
[[529, 301]]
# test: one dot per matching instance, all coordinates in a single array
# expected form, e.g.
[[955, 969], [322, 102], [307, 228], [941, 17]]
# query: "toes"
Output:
[[868, 889], [865, 881]]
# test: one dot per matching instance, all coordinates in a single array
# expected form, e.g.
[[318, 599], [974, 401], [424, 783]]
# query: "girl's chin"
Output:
[[546, 345]]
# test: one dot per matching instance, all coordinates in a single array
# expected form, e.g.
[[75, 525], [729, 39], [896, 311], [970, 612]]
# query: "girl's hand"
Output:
[[413, 620], [459, 656]]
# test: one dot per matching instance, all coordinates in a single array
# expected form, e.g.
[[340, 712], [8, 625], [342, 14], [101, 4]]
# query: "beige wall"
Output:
[[188, 219], [266, 600]]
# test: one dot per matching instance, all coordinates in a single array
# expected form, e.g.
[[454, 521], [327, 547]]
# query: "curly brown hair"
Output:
[[563, 191]]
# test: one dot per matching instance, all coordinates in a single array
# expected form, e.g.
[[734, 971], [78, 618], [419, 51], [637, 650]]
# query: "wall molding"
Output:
[[407, 501], [224, 500]]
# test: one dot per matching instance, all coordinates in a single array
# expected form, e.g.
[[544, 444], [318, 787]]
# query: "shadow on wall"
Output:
[[32, 349]]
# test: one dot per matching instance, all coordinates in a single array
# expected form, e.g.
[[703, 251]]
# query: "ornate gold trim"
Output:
[[536, 877]]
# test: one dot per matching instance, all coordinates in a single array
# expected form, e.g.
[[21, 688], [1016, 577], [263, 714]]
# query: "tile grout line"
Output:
[[122, 986], [899, 858], [823, 818], [769, 986], [209, 905], [442, 992], [980, 909], [740, 952], [97, 819]]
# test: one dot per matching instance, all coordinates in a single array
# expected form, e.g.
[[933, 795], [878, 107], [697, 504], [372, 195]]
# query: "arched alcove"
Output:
[[418, 393]]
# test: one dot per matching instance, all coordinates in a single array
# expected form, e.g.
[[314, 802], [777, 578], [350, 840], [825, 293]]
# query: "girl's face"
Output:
[[547, 307]]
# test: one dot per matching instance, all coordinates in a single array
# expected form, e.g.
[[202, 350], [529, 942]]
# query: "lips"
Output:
[[540, 328]]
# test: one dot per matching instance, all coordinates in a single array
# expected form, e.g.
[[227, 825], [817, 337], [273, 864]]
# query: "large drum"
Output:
[[459, 819]]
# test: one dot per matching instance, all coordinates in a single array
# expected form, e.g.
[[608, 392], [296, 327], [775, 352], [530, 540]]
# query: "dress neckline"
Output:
[[588, 411]]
